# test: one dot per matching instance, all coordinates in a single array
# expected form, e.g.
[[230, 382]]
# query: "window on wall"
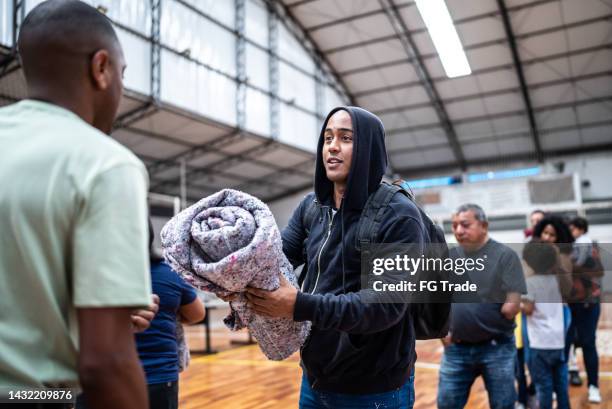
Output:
[[297, 87], [191, 34], [291, 50], [258, 63], [199, 90], [298, 128], [256, 25], [137, 53]]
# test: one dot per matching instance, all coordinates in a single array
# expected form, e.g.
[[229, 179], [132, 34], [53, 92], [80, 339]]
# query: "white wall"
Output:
[[596, 168]]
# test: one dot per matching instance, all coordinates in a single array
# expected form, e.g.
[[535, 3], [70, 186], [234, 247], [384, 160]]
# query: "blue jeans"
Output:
[[549, 368], [463, 363], [400, 398]]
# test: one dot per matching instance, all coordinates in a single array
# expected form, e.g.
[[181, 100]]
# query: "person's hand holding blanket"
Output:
[[276, 304]]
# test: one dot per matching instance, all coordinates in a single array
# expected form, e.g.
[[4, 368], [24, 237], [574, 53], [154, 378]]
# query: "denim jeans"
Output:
[[549, 367], [581, 333], [400, 398], [463, 363]]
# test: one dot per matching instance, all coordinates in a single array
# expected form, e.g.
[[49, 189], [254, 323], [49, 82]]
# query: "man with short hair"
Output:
[[73, 250], [358, 354], [481, 340]]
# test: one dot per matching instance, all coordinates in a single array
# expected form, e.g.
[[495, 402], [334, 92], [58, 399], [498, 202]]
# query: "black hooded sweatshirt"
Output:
[[354, 347]]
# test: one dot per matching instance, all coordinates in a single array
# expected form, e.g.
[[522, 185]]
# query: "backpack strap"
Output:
[[373, 212]]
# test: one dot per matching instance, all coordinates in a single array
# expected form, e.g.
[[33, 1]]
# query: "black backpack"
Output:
[[431, 320]]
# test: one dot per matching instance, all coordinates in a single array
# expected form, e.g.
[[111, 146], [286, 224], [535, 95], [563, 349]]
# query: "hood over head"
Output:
[[369, 160]]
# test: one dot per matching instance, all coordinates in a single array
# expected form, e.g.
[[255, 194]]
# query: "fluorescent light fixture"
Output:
[[444, 36], [503, 174]]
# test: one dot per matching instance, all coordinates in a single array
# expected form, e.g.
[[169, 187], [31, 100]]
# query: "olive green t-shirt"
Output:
[[73, 233]]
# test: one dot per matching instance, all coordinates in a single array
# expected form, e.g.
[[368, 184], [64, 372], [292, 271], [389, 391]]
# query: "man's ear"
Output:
[[100, 71]]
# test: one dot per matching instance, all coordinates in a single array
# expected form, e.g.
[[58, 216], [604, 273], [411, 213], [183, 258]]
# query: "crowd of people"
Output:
[[77, 276]]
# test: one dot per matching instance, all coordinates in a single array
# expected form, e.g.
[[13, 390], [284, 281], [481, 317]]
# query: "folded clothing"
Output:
[[226, 242]]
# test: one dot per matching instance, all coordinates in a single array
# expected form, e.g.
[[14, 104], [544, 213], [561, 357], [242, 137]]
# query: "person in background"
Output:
[[543, 306], [73, 258], [158, 346], [534, 219], [481, 339], [586, 312]]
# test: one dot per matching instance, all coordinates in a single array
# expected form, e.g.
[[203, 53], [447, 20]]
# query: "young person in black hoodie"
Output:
[[359, 354]]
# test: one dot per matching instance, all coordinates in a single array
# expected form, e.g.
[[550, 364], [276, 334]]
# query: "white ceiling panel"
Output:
[[509, 146], [481, 150], [493, 81], [550, 70], [584, 9], [205, 160], [460, 9], [322, 12], [478, 31], [412, 17], [388, 76], [439, 155], [392, 99], [556, 118], [435, 68], [593, 88], [597, 135], [490, 56], [503, 103], [408, 160], [590, 35], [282, 157], [366, 56], [428, 137], [413, 117], [473, 130], [423, 43], [592, 62], [530, 19], [241, 144], [457, 87], [595, 112], [560, 140], [198, 132], [399, 141], [364, 29], [510, 124], [465, 109], [250, 169], [547, 44], [545, 96]]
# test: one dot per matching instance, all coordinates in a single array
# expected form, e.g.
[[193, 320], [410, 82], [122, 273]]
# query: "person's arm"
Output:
[[193, 312], [345, 312], [527, 307], [141, 318], [294, 234], [564, 275], [108, 366], [512, 306]]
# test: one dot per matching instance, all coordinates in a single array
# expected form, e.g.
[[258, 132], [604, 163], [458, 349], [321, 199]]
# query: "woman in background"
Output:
[[158, 346]]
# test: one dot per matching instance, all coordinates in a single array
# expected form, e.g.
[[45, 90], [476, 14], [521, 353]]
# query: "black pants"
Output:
[[163, 395]]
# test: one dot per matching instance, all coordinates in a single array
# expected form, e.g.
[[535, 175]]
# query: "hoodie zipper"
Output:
[[331, 221]]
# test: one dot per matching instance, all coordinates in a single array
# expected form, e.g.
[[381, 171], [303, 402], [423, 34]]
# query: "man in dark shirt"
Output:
[[481, 340]]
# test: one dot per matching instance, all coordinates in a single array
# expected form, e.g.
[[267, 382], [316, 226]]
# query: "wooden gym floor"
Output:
[[242, 378]]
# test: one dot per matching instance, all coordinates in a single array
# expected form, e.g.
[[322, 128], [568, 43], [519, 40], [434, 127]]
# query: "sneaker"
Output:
[[574, 378], [594, 395]]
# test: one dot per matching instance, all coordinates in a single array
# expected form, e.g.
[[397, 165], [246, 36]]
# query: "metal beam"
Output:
[[292, 24], [521, 78], [423, 74], [273, 73], [156, 52], [493, 161], [350, 19], [241, 67]]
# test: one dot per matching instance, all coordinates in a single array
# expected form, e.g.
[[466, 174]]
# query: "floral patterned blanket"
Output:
[[226, 242]]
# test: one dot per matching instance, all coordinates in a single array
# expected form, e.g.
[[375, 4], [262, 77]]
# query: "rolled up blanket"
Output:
[[226, 242]]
